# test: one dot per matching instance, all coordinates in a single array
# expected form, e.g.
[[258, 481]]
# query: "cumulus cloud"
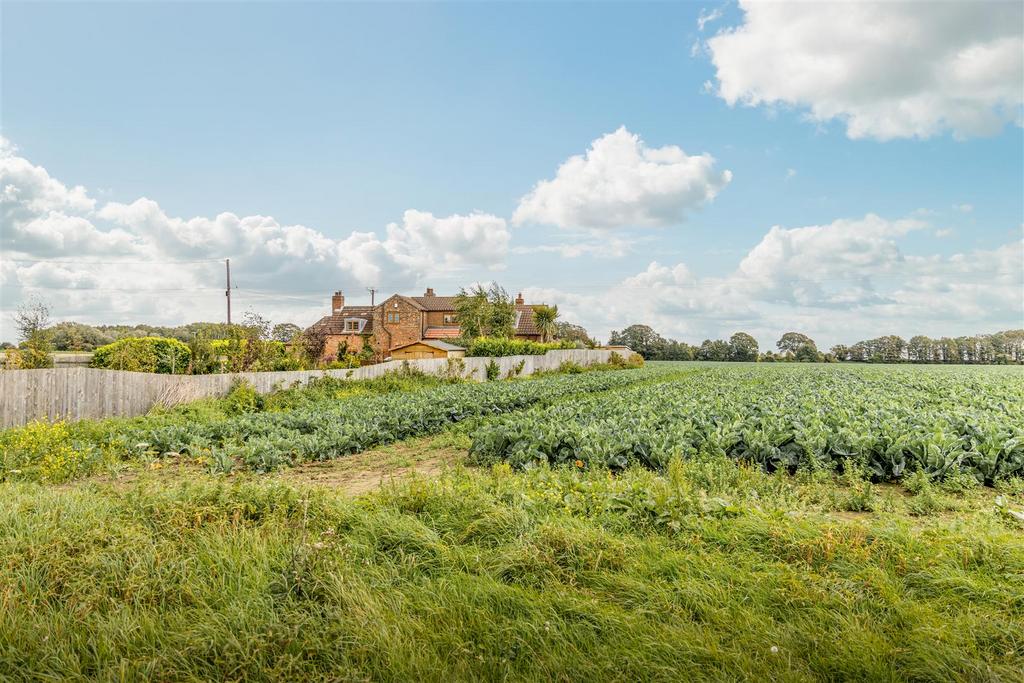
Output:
[[886, 69], [621, 182], [99, 261], [838, 282]]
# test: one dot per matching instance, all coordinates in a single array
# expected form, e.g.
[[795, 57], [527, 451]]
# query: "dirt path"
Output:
[[369, 470]]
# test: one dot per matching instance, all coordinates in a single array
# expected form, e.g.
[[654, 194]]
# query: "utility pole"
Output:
[[227, 292], [372, 292]]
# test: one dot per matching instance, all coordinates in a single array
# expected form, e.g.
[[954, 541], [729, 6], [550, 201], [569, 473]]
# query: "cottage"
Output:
[[401, 321]]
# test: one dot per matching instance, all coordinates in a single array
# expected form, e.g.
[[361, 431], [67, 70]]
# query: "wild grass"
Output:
[[706, 572]]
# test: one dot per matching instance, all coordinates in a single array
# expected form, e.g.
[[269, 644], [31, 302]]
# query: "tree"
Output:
[[284, 332], [717, 350], [485, 312], [576, 333], [792, 341], [640, 338], [545, 318], [807, 353], [742, 347], [32, 322]]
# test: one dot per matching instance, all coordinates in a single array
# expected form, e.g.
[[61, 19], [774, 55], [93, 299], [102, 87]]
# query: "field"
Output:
[[676, 522]]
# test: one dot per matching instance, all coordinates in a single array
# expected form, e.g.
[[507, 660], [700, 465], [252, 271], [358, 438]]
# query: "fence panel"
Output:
[[77, 393]]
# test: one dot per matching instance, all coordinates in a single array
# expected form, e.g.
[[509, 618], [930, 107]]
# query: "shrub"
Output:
[[42, 451], [144, 354], [492, 370], [501, 346], [242, 398]]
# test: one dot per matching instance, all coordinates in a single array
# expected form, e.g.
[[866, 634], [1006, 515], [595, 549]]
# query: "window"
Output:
[[449, 318], [393, 316], [351, 325]]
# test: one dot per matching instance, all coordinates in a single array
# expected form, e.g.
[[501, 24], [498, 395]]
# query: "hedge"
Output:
[[144, 354], [501, 346]]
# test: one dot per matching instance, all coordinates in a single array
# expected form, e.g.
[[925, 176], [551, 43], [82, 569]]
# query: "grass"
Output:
[[707, 572]]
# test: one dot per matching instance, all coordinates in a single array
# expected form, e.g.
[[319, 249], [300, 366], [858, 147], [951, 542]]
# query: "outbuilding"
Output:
[[427, 348]]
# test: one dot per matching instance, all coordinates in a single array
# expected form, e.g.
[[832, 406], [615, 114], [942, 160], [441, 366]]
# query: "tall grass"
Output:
[[708, 572]]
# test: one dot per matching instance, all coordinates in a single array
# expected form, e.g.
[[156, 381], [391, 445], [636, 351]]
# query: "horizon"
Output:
[[682, 166]]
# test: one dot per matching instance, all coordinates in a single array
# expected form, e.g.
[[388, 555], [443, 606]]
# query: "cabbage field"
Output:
[[676, 522], [888, 421]]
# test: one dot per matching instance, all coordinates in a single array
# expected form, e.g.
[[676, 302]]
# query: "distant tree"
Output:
[[571, 332], [545, 318], [792, 341], [716, 350], [674, 350], [807, 353], [840, 352], [71, 336], [640, 338], [742, 347], [36, 345], [284, 332]]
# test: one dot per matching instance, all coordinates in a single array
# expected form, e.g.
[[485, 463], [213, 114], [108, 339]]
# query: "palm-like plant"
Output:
[[545, 318]]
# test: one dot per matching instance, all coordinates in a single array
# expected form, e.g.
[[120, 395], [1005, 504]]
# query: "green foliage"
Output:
[[44, 452], [144, 354], [502, 346], [485, 312], [954, 426], [492, 371], [545, 318], [710, 571], [242, 398], [71, 336]]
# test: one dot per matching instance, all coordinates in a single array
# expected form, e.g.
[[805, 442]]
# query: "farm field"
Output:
[[683, 521]]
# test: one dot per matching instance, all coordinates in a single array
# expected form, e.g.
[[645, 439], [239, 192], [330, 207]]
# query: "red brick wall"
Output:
[[355, 345], [408, 329]]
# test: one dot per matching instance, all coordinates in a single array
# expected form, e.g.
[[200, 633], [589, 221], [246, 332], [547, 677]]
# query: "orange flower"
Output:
[[579, 463]]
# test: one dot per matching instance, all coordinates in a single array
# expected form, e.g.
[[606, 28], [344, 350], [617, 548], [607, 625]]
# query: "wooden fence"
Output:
[[75, 393]]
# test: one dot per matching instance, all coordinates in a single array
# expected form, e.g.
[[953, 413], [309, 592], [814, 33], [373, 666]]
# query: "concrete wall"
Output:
[[75, 393]]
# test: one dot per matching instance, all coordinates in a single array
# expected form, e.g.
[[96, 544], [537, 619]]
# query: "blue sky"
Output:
[[339, 118]]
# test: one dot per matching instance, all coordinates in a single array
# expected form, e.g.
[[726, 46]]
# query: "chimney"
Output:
[[429, 292], [337, 302], [519, 299]]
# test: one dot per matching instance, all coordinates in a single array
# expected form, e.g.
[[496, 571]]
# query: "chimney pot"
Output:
[[337, 302], [429, 292], [519, 299]]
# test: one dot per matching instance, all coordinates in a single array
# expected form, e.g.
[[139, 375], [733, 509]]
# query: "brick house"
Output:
[[401, 320]]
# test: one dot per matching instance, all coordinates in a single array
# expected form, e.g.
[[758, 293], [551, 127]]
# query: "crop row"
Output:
[[889, 421], [331, 428]]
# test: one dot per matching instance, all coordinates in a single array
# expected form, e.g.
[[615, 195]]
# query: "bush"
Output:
[[144, 354], [242, 398], [500, 346]]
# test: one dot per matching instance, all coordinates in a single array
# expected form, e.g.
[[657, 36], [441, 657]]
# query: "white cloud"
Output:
[[120, 262], [886, 69], [706, 18], [839, 282], [621, 182], [790, 173], [963, 208]]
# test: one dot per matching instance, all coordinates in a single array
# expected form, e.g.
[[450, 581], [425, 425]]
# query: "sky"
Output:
[[847, 169]]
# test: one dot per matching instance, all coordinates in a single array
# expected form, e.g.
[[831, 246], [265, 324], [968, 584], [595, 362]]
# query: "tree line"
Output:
[[997, 348]]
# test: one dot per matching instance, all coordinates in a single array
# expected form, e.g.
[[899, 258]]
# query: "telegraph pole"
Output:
[[227, 292], [372, 292]]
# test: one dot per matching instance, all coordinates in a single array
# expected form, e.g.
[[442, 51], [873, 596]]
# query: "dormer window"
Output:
[[351, 325]]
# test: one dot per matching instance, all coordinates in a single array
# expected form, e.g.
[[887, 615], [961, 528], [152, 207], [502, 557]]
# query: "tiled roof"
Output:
[[441, 332], [435, 303], [524, 320], [335, 324]]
